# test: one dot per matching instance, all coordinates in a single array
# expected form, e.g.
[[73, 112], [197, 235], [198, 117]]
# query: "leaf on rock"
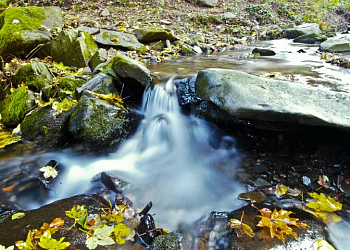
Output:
[[281, 190], [76, 212], [279, 223], [241, 228], [4, 248], [323, 203], [100, 237], [47, 242], [121, 232], [49, 172], [7, 138], [111, 98], [63, 106], [28, 244], [322, 245], [18, 215]]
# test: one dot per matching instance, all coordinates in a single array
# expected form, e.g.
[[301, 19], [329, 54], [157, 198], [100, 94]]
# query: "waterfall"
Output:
[[168, 161]]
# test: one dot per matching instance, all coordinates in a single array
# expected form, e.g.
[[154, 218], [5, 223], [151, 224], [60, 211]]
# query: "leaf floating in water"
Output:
[[279, 223], [322, 245], [241, 228], [18, 215]]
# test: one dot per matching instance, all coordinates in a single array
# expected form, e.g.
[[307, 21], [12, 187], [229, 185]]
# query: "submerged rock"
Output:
[[23, 28], [120, 39], [14, 108], [73, 48], [36, 76], [146, 35], [46, 127], [336, 45], [304, 29], [98, 124], [251, 97], [310, 38]]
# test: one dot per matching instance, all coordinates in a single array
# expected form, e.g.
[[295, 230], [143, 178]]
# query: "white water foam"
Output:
[[168, 161]]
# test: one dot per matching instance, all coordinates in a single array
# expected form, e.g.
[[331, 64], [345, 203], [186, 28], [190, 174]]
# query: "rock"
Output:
[[46, 127], [229, 15], [251, 97], [186, 90], [15, 230], [23, 28], [101, 84], [73, 48], [336, 45], [170, 241], [310, 38], [36, 76], [14, 108], [304, 29], [97, 124], [105, 13], [120, 39], [146, 35], [187, 50], [206, 3], [69, 83], [90, 30], [125, 67], [263, 52]]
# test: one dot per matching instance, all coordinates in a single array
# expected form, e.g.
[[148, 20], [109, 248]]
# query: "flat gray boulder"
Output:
[[251, 97], [120, 39], [336, 45], [149, 35], [22, 29], [304, 29]]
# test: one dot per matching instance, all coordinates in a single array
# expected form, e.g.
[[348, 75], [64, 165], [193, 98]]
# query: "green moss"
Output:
[[91, 46], [70, 84], [14, 108], [4, 3]]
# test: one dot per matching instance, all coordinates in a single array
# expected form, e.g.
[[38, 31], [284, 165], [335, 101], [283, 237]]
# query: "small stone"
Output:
[[263, 52], [197, 49], [253, 197], [105, 13]]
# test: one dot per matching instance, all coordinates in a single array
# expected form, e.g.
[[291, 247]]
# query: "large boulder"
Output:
[[36, 76], [73, 48], [120, 39], [336, 45], [100, 83], [14, 108], [310, 38], [47, 127], [24, 28], [251, 97], [98, 124], [147, 35], [307, 28]]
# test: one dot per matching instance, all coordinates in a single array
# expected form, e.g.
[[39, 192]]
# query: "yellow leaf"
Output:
[[121, 231], [280, 190], [7, 138], [279, 223], [241, 228], [322, 245], [323, 203], [17, 216], [325, 216], [76, 212]]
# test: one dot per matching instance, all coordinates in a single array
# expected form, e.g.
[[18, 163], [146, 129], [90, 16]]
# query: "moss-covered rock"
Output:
[[307, 28], [126, 67], [4, 3], [36, 76], [99, 125], [69, 83], [336, 45], [73, 48], [120, 39], [147, 35], [101, 84], [14, 108], [23, 28], [310, 38], [170, 241], [46, 127]]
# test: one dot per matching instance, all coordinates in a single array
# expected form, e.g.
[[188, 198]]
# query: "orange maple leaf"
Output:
[[279, 222]]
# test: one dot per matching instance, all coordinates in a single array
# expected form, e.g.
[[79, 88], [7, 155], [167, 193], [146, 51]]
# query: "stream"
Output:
[[170, 160]]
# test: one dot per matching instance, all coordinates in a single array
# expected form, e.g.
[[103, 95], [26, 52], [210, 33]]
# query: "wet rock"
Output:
[[101, 84], [170, 241], [250, 97], [23, 28], [101, 126], [47, 127], [263, 52], [14, 108], [310, 38], [336, 45], [186, 90], [146, 35], [15, 230], [36, 76], [304, 29], [253, 197], [73, 48], [120, 39]]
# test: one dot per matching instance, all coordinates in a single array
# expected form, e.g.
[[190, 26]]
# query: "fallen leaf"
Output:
[[279, 223], [323, 203], [4, 248], [76, 212], [49, 172], [100, 237], [47, 242], [280, 190], [241, 228], [18, 215], [322, 245], [121, 231], [7, 189]]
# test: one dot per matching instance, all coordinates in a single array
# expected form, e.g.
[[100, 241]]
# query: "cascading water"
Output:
[[168, 161]]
